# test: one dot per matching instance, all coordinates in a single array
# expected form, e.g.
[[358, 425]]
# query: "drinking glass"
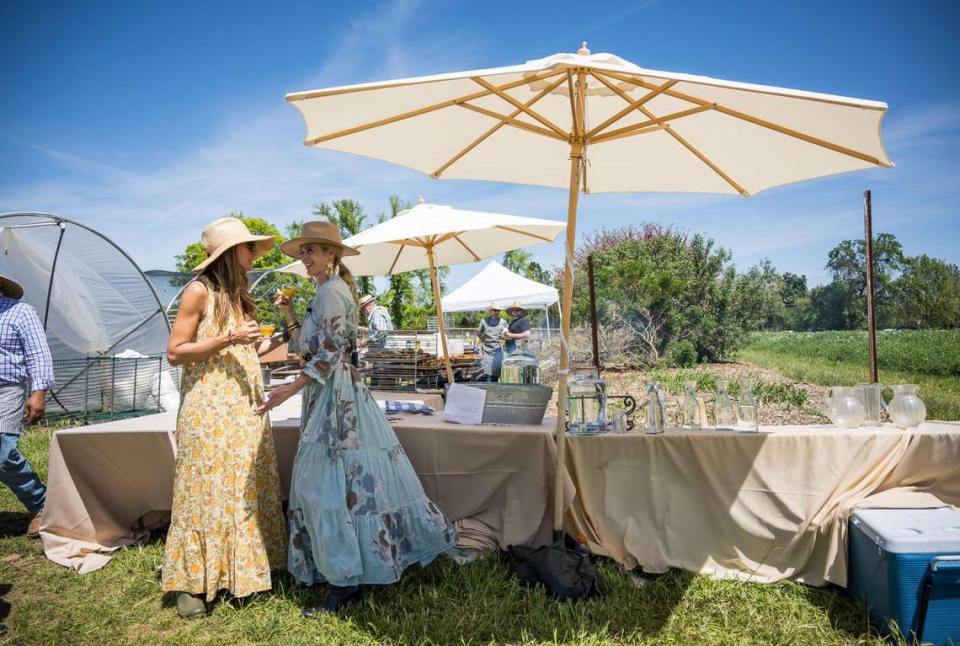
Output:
[[869, 396], [267, 329], [619, 417], [288, 291]]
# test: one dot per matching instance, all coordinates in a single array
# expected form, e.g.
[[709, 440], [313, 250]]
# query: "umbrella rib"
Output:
[[424, 110], [523, 233], [515, 103], [395, 259], [476, 258], [476, 142], [512, 122], [652, 121], [630, 108], [754, 120]]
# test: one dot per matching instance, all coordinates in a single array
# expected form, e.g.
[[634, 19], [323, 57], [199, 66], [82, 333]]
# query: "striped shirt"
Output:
[[24, 354]]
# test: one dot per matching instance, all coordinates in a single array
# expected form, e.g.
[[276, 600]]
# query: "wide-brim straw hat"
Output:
[[366, 298], [10, 287], [516, 305], [317, 232], [226, 233]]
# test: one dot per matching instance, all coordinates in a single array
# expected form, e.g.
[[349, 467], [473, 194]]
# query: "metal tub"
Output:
[[515, 403]]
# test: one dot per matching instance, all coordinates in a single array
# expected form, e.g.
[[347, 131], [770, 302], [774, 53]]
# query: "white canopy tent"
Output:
[[497, 285], [92, 298]]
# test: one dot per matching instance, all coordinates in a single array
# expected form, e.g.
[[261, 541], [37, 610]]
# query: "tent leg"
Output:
[[440, 324], [546, 316]]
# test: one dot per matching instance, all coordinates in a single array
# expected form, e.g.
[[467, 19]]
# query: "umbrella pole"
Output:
[[576, 152], [440, 324]]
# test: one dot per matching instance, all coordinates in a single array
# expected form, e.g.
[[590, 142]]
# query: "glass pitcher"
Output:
[[870, 397], [843, 407], [747, 419], [656, 407], [587, 402], [724, 412], [906, 409], [694, 411]]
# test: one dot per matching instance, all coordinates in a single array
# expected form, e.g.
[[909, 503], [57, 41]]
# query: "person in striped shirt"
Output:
[[26, 373]]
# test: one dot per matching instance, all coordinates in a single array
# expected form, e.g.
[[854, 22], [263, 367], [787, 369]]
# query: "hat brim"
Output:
[[264, 245], [292, 247], [11, 288]]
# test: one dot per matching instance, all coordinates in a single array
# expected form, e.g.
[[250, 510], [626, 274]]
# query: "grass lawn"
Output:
[[442, 604], [929, 358]]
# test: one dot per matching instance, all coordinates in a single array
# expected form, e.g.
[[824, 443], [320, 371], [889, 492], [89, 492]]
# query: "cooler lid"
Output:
[[911, 530]]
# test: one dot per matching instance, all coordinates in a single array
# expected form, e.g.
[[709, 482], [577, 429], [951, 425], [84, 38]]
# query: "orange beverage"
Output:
[[288, 292], [267, 329]]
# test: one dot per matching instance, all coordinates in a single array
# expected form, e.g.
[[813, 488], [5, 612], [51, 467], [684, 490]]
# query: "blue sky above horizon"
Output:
[[148, 120]]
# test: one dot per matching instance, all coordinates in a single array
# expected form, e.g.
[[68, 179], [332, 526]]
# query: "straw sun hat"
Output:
[[317, 232], [10, 287], [366, 298], [516, 305], [226, 233]]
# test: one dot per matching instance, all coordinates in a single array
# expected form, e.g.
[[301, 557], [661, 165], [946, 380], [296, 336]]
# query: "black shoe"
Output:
[[337, 597]]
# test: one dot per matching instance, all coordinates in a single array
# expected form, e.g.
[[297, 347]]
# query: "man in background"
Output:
[[491, 329], [519, 328], [378, 322], [26, 373]]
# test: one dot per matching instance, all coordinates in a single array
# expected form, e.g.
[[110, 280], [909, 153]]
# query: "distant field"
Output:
[[928, 358]]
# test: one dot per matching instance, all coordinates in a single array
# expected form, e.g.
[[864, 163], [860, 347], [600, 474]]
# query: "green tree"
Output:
[[848, 266], [194, 254], [927, 294]]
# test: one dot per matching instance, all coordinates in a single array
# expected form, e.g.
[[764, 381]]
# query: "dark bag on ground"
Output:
[[565, 573]]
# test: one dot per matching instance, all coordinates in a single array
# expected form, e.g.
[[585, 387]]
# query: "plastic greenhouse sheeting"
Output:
[[92, 297], [498, 285]]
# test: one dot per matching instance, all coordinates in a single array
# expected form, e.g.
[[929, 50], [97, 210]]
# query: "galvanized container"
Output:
[[520, 367], [515, 403]]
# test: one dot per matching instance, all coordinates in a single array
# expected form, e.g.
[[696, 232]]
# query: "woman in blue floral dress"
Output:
[[357, 513]]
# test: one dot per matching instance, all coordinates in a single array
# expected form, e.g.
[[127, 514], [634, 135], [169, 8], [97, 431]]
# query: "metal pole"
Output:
[[593, 314], [871, 305]]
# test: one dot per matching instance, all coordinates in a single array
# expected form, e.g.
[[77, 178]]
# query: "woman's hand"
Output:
[[277, 396], [284, 304], [246, 334]]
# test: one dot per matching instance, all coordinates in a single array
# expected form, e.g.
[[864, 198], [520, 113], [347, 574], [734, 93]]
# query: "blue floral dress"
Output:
[[357, 513]]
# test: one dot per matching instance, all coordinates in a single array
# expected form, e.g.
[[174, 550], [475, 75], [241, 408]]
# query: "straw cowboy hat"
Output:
[[319, 233], [366, 298], [516, 305], [10, 287], [226, 233]]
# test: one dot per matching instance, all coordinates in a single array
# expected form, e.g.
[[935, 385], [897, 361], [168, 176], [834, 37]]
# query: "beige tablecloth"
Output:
[[766, 506], [108, 483]]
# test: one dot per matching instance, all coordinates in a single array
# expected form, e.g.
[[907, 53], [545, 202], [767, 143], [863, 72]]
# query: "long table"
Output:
[[760, 506], [109, 484]]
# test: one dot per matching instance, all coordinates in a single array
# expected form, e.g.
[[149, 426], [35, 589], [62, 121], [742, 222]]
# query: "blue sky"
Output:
[[148, 120]]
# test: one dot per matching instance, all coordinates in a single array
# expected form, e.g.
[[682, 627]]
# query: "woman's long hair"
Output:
[[231, 289], [345, 274]]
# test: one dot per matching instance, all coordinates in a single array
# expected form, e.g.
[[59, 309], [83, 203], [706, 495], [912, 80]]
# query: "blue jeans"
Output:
[[16, 473]]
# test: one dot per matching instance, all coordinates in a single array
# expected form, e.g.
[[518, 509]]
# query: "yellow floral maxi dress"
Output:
[[227, 529]]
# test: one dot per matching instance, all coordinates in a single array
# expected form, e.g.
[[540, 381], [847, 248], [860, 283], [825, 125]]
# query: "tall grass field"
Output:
[[927, 358]]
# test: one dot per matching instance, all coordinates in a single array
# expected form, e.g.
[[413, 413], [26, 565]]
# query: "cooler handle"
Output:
[[946, 564]]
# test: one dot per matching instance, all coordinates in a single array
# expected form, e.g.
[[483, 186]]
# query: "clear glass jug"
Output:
[[587, 402], [906, 409], [724, 412], [694, 411], [656, 407], [870, 397], [747, 419], [843, 407]]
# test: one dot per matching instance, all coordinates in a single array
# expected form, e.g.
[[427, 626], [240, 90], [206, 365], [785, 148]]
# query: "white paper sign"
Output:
[[464, 404]]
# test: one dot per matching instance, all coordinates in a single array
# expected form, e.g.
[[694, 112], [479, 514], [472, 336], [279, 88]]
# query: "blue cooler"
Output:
[[906, 564]]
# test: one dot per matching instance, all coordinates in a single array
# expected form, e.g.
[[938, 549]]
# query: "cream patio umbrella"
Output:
[[597, 123], [432, 235]]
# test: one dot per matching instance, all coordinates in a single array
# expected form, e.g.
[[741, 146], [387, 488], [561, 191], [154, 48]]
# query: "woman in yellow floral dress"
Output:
[[227, 529]]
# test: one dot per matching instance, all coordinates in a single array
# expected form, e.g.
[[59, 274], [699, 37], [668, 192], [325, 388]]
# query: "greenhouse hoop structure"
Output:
[[105, 325]]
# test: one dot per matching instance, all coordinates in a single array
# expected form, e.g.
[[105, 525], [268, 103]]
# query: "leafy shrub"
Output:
[[683, 354]]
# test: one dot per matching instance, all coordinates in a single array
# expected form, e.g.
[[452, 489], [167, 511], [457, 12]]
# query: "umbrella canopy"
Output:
[[597, 123], [497, 285], [643, 130]]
